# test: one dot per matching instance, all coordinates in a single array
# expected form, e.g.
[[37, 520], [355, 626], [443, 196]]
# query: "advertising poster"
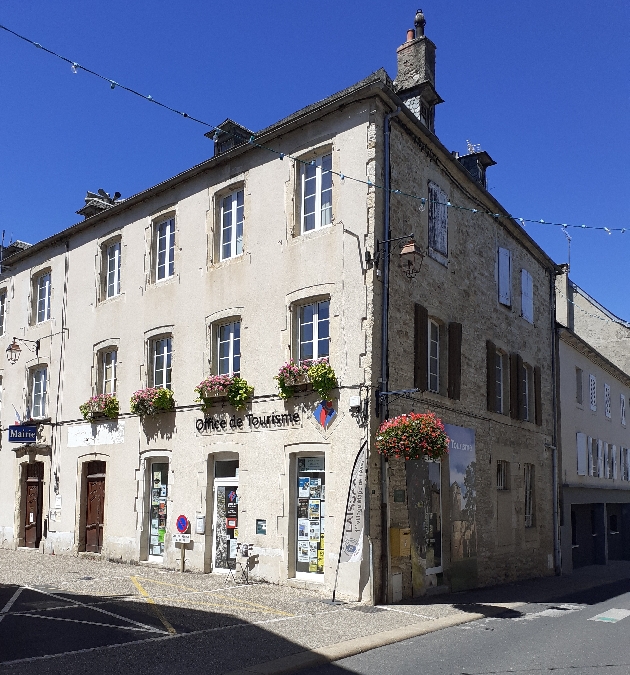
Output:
[[304, 486], [313, 509], [303, 529], [303, 550], [321, 542], [316, 488], [232, 551], [312, 556], [312, 463], [154, 540], [163, 491], [314, 530], [320, 560], [352, 543], [154, 526], [161, 533], [155, 496], [302, 511]]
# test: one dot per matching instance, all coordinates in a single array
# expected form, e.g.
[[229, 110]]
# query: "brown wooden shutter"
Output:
[[454, 360], [421, 347], [491, 355], [515, 408], [537, 396]]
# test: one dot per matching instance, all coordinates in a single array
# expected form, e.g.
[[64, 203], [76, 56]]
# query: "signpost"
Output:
[[22, 434], [182, 536]]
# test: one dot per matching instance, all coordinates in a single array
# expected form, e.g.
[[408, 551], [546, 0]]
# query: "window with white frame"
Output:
[[528, 475], [500, 381], [43, 297], [3, 311], [527, 296], [314, 330], [591, 449], [434, 357], [606, 460], [316, 193], [438, 223], [613, 452], [526, 384], [502, 475], [600, 459], [232, 225], [622, 405], [579, 393], [592, 389], [113, 269], [607, 400], [108, 363], [229, 349], [161, 355], [38, 391], [165, 249], [505, 276]]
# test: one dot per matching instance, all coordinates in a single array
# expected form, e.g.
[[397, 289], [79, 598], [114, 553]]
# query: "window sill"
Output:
[[114, 298], [311, 234], [438, 257], [227, 261]]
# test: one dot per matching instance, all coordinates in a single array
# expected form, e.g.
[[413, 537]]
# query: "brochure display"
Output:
[[226, 526], [157, 511], [311, 511]]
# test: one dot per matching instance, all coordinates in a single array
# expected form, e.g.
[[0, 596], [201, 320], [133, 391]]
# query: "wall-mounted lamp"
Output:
[[411, 258], [14, 350]]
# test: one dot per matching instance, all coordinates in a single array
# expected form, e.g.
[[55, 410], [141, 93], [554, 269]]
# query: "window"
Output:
[[606, 461], [500, 382], [314, 328], [528, 471], [113, 270], [613, 454], [526, 392], [582, 450], [108, 371], [600, 459], [505, 277], [591, 449], [38, 392], [165, 249], [625, 464], [579, 398], [438, 223], [502, 475], [316, 202], [161, 356], [43, 297], [3, 311], [232, 225], [527, 296], [592, 388], [434, 357], [607, 400], [622, 404], [229, 349]]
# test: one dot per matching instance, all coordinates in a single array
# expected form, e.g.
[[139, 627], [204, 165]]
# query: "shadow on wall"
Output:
[[46, 629], [160, 426]]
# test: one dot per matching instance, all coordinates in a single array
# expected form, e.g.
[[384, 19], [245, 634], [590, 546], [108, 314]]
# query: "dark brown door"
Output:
[[33, 513], [95, 507]]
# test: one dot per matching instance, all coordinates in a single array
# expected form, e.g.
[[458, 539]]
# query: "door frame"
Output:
[[80, 509], [220, 482], [103, 477], [39, 520]]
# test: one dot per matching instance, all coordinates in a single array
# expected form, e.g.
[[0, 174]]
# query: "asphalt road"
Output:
[[559, 637]]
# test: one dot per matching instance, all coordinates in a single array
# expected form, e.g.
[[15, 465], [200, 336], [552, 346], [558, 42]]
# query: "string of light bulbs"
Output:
[[76, 67]]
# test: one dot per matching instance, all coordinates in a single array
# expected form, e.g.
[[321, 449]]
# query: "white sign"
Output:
[[105, 433], [181, 538]]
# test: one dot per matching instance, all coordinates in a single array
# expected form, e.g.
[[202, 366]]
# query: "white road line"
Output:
[[611, 615], [98, 609], [402, 611], [7, 607], [89, 623]]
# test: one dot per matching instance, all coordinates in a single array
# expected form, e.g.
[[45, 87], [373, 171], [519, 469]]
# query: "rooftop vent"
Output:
[[228, 135], [98, 201], [476, 161]]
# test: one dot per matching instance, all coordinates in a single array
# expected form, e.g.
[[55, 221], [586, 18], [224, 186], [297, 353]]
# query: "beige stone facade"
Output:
[[185, 462]]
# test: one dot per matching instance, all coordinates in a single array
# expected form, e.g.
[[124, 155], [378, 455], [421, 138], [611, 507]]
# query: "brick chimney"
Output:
[[415, 81]]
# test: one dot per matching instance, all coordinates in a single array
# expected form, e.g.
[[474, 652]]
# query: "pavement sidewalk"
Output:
[[296, 628]]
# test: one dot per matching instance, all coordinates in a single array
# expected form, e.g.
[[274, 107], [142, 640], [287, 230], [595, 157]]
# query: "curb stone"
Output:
[[343, 650]]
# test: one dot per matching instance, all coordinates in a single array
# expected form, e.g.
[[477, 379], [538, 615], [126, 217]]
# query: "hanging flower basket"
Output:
[[103, 405], [318, 373], [223, 387], [413, 436], [151, 401]]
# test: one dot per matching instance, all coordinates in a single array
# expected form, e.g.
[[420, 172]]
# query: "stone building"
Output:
[[594, 437], [284, 245]]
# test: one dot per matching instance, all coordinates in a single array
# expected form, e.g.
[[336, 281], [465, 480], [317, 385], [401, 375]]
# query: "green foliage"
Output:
[[151, 401], [322, 377], [103, 405], [239, 392]]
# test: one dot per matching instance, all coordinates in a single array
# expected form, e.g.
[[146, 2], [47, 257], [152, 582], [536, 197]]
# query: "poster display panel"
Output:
[[310, 510], [158, 508]]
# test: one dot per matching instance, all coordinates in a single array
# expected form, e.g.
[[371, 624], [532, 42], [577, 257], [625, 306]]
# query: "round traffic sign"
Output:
[[182, 524]]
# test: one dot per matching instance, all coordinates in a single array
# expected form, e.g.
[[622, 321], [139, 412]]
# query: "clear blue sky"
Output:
[[544, 87]]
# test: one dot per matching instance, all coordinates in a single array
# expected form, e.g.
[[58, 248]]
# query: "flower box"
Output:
[[151, 401], [308, 374], [99, 407], [217, 388]]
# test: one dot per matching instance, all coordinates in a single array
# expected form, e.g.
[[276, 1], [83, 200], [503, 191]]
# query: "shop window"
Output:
[[314, 330], [158, 509], [310, 515], [316, 193]]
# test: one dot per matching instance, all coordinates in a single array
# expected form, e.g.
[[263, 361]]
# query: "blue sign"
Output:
[[182, 524], [22, 434]]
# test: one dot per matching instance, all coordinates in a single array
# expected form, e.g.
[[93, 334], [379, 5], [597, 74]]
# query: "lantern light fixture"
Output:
[[411, 256], [14, 350]]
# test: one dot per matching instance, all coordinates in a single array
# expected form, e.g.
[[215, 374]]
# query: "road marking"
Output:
[[96, 609], [402, 611], [154, 607], [7, 607], [611, 615], [89, 623]]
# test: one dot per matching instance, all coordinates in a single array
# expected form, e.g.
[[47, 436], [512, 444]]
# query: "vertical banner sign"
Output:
[[352, 540]]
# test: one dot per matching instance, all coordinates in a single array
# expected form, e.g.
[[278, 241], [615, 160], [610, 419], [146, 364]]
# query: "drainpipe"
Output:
[[383, 406], [554, 447]]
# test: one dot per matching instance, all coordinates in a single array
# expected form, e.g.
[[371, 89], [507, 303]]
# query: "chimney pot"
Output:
[[411, 34]]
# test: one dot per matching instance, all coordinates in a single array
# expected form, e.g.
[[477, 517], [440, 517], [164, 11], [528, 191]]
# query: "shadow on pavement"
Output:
[[43, 630]]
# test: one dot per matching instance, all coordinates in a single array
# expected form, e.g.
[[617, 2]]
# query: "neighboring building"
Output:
[[244, 262], [594, 437]]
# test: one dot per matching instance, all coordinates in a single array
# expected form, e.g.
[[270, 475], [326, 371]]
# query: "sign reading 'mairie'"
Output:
[[22, 434]]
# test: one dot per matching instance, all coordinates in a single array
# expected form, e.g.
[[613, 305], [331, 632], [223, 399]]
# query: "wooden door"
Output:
[[95, 507], [33, 512]]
